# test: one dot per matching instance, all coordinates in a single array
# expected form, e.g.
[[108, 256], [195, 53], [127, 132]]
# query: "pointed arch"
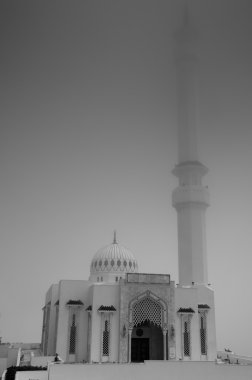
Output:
[[148, 305]]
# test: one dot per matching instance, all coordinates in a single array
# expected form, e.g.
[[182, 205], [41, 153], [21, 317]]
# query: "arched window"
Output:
[[105, 341], [186, 334], [72, 338], [203, 345]]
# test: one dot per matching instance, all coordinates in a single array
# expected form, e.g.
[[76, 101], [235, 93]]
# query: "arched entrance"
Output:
[[147, 328], [146, 342]]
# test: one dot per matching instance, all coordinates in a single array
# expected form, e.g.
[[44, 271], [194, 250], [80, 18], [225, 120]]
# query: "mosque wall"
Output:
[[119, 295], [190, 298], [56, 318], [72, 290], [206, 296], [186, 298], [48, 333], [52, 331], [106, 295]]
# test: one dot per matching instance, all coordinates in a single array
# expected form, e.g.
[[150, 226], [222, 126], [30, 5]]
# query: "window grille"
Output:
[[187, 335], [149, 310], [203, 345], [105, 343], [72, 342]]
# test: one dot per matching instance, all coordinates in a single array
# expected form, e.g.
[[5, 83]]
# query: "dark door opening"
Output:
[[147, 342], [139, 349]]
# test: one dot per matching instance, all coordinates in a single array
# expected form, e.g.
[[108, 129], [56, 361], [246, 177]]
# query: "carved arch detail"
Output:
[[148, 305]]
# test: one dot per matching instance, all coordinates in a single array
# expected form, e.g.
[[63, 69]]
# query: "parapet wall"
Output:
[[151, 370]]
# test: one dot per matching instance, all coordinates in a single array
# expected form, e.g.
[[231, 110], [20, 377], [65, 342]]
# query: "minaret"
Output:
[[190, 198]]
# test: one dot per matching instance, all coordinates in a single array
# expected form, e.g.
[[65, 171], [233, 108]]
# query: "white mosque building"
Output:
[[121, 315]]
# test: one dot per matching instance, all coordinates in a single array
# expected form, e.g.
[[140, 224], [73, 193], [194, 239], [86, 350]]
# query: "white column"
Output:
[[182, 336], [164, 342], [129, 345], [101, 336]]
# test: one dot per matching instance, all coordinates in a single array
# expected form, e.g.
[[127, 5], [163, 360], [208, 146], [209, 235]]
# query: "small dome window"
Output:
[[130, 264], [100, 263], [106, 263], [118, 263], [125, 263], [112, 262]]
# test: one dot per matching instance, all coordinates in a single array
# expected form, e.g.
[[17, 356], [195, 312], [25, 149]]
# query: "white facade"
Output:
[[130, 317]]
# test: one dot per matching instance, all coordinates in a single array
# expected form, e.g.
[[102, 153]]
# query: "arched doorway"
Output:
[[147, 328], [146, 342]]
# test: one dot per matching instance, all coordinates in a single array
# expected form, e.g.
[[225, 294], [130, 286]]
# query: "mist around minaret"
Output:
[[190, 198], [186, 60]]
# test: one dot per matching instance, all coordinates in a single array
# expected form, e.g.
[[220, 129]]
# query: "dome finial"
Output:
[[114, 241]]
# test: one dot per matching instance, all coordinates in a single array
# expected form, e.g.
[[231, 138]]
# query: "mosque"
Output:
[[121, 315]]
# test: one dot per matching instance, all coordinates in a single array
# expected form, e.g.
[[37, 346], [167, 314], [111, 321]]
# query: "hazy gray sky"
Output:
[[88, 143]]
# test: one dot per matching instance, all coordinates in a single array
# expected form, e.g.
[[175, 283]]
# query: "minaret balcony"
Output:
[[190, 194], [183, 168]]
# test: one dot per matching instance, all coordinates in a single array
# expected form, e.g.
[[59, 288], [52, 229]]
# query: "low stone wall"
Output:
[[42, 361], [151, 370], [31, 375]]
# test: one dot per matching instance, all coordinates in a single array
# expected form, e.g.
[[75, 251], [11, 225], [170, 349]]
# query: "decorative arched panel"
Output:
[[149, 310], [147, 306]]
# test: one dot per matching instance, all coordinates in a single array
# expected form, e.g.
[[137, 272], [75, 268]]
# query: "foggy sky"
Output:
[[89, 140]]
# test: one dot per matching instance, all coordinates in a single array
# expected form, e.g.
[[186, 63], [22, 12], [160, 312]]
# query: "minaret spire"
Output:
[[190, 198], [187, 89], [114, 240]]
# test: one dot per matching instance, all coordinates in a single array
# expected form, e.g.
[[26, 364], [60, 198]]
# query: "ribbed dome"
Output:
[[113, 258]]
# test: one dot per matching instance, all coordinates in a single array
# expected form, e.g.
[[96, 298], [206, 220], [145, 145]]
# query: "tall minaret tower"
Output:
[[190, 198]]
